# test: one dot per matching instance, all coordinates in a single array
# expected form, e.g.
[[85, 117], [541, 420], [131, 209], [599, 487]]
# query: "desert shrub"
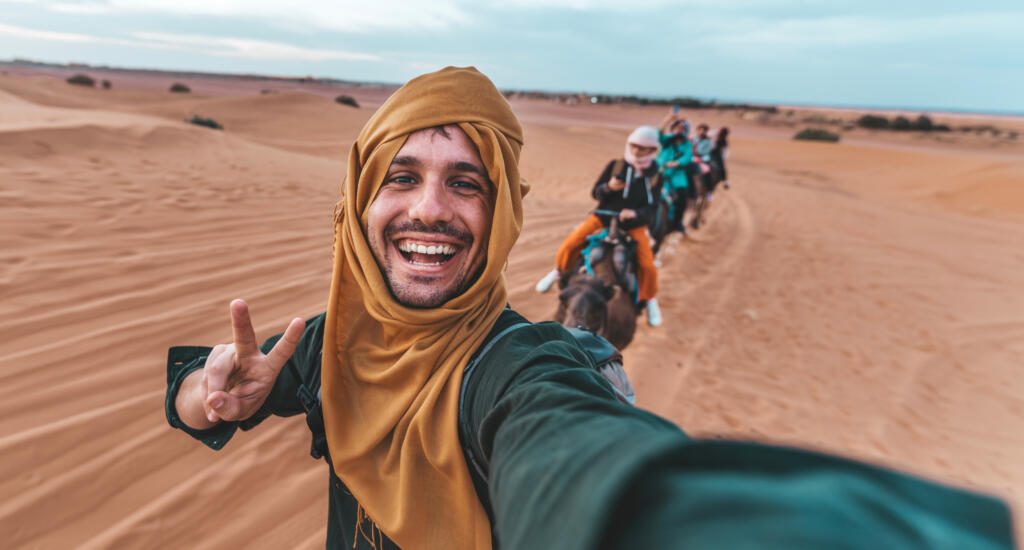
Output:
[[347, 100], [901, 124], [180, 88], [923, 123], [82, 80], [874, 122], [204, 121], [266, 91], [816, 134], [106, 84]]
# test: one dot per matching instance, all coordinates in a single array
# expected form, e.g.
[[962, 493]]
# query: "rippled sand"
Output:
[[863, 298]]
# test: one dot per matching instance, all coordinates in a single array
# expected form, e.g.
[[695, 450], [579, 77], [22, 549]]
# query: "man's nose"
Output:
[[432, 203]]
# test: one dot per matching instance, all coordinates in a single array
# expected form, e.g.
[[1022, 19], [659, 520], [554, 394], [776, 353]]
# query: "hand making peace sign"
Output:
[[238, 377]]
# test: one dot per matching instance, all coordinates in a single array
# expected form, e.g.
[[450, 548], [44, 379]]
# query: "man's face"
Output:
[[702, 131], [429, 224]]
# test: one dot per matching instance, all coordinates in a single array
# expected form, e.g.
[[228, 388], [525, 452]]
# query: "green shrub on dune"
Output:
[[82, 80], [180, 88], [204, 121], [816, 134], [873, 122], [347, 100]]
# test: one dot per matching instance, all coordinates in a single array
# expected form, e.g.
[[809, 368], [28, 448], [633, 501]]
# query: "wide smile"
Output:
[[427, 255]]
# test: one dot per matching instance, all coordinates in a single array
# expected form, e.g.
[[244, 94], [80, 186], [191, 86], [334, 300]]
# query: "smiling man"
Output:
[[429, 224], [450, 422]]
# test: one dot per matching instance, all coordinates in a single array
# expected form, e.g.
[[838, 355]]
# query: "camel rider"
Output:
[[704, 144], [629, 187], [675, 160], [702, 148]]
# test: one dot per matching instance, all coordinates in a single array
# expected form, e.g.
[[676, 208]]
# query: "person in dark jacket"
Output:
[[719, 153], [627, 186], [534, 450]]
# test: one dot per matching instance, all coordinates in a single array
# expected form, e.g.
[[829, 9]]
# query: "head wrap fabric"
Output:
[[644, 136], [392, 374]]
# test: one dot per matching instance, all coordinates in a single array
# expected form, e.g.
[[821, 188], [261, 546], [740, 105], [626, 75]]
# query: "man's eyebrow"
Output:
[[463, 166], [406, 161]]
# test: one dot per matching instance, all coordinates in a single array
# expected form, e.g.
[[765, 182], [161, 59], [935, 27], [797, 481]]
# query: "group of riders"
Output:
[[663, 173]]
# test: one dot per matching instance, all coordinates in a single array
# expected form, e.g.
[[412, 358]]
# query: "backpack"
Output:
[[607, 362]]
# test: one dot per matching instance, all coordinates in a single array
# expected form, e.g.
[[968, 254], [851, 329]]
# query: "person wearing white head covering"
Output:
[[627, 186]]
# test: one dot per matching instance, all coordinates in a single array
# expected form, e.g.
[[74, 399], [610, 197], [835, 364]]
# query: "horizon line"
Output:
[[656, 97]]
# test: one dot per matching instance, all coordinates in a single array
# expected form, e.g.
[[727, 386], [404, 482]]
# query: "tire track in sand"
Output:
[[689, 296]]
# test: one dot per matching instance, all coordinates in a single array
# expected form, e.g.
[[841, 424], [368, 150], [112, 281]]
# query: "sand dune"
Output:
[[862, 298]]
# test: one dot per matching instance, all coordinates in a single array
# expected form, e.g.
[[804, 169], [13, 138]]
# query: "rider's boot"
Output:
[[653, 313], [548, 281]]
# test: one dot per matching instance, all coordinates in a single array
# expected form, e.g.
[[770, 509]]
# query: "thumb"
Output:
[[224, 405], [285, 347]]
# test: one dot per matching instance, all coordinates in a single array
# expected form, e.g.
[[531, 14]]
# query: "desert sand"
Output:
[[863, 298]]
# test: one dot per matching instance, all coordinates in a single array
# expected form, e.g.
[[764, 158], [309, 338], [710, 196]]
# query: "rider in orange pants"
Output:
[[647, 274], [628, 186]]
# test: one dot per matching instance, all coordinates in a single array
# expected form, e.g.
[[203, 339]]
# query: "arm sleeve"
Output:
[[301, 371], [687, 156], [571, 467], [557, 444], [601, 190], [729, 494]]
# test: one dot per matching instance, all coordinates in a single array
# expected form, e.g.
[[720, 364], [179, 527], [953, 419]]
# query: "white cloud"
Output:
[[82, 8], [223, 46], [338, 15], [22, 32], [752, 35], [218, 46]]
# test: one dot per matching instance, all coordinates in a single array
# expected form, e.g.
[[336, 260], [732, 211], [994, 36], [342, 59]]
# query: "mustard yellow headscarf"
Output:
[[391, 374]]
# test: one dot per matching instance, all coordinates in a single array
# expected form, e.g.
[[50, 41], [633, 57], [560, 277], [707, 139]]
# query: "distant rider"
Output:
[[702, 148], [719, 153], [675, 160], [631, 191]]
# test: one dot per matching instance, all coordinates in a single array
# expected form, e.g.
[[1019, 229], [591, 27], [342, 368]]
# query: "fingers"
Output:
[[285, 347], [241, 329], [224, 406], [205, 392], [218, 368]]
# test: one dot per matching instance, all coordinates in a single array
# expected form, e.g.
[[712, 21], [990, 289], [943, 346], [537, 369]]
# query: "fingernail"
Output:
[[217, 403]]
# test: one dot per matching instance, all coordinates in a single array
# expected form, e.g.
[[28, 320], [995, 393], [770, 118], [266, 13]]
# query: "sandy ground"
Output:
[[863, 298]]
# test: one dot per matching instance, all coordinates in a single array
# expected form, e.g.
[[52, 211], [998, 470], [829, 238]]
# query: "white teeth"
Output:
[[407, 246]]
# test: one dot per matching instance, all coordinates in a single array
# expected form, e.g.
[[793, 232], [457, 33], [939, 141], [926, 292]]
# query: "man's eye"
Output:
[[467, 185], [402, 180]]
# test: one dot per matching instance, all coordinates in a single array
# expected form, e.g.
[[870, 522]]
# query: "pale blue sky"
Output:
[[893, 53]]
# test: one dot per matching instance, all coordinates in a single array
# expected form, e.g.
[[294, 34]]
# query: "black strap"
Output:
[[467, 373]]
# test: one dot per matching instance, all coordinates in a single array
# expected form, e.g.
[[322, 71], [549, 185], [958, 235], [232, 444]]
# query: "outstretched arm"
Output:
[[569, 466], [666, 123]]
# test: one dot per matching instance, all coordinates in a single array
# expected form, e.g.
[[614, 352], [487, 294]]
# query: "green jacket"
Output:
[[675, 178], [569, 466]]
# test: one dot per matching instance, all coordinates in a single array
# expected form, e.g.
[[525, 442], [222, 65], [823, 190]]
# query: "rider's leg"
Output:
[[569, 252], [680, 200], [647, 275]]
